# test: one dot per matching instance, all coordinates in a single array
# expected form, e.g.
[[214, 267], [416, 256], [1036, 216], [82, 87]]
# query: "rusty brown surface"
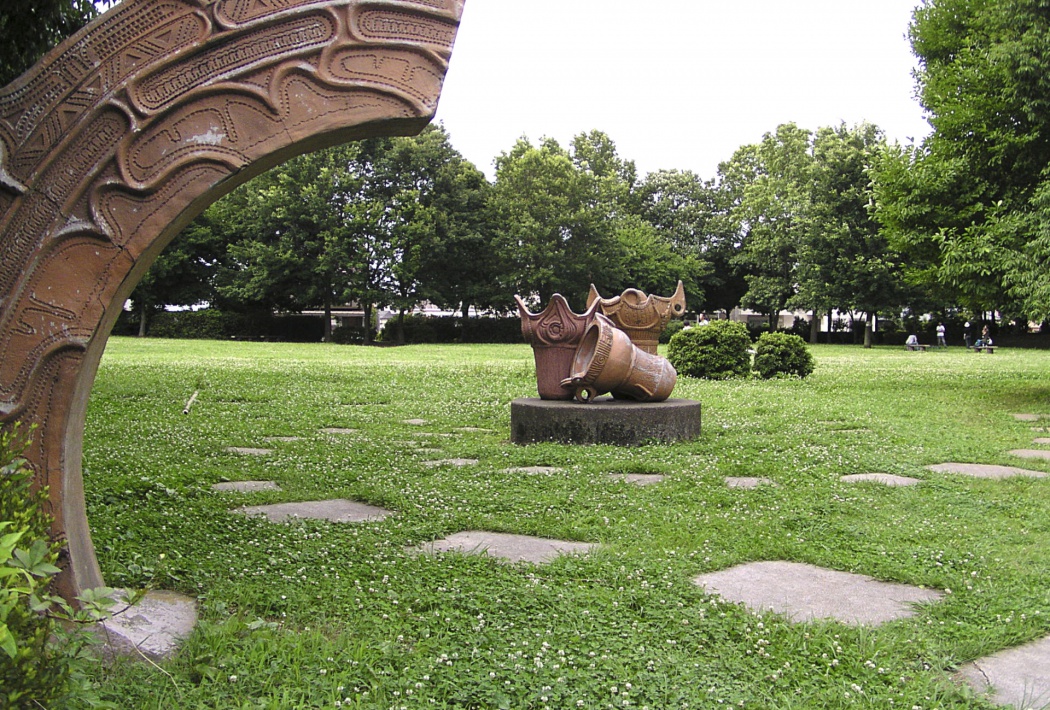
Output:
[[130, 128]]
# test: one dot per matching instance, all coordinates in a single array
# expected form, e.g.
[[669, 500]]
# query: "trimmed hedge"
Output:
[[782, 354], [716, 351]]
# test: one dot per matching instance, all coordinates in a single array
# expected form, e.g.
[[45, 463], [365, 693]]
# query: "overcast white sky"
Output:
[[677, 84]]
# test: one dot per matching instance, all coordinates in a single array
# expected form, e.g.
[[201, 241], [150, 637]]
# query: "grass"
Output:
[[313, 614]]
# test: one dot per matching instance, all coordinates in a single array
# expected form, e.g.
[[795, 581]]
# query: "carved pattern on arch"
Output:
[[117, 138]]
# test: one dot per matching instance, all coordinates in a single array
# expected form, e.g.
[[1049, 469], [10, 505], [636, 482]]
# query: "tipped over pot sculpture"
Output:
[[554, 334], [607, 361]]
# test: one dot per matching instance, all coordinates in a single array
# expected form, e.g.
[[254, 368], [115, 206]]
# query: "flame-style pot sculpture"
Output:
[[642, 317], [554, 335], [607, 361]]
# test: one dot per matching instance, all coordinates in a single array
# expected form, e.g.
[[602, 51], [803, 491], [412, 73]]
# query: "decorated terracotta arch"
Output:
[[120, 136]]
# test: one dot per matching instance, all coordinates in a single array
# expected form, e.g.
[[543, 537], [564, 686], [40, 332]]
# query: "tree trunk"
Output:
[[401, 326], [368, 323], [464, 317], [814, 328], [142, 321], [773, 322], [830, 326], [867, 331], [327, 337]]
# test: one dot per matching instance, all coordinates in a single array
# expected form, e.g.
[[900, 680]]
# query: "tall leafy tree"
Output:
[[769, 187], [967, 204], [29, 28], [555, 235]]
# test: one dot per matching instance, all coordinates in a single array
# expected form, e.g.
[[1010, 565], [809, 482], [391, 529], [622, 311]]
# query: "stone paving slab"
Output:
[[283, 439], [513, 548], [981, 470], [415, 422], [748, 481], [1028, 417], [638, 479], [472, 429], [1017, 676], [339, 510], [246, 486], [338, 430], [803, 592], [532, 469], [1031, 453], [154, 626], [249, 451], [451, 462], [886, 479], [1041, 440]]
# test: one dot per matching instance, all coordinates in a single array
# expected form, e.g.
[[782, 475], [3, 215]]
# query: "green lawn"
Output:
[[315, 614]]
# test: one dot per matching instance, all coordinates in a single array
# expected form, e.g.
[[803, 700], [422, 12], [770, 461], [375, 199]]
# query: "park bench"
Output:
[[920, 347], [990, 349]]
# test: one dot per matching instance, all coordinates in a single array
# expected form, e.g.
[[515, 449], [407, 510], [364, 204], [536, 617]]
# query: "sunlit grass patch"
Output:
[[390, 628]]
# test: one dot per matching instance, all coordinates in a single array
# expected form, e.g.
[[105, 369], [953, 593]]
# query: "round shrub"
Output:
[[782, 354], [716, 351]]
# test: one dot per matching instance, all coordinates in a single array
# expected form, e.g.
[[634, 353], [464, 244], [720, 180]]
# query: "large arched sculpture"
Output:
[[119, 137]]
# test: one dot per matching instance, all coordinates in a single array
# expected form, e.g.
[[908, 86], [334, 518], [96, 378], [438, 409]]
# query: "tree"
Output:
[[555, 235], [844, 259], [967, 202], [768, 185], [29, 28]]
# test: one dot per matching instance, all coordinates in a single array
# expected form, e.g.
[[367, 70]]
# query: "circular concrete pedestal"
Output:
[[603, 421]]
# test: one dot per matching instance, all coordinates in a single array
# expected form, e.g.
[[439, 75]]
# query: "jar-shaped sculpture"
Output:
[[554, 335], [642, 317], [607, 361]]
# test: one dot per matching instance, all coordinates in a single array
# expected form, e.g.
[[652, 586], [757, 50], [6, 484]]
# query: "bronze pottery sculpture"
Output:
[[642, 317], [554, 334], [607, 361]]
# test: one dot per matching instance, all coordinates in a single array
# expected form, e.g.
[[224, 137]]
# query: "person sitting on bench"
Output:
[[912, 343], [984, 341]]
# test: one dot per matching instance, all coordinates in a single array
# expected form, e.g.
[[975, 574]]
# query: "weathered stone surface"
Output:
[[248, 451], [748, 481], [532, 469], [1043, 441], [339, 510], [130, 128], [282, 439], [154, 626], [1030, 453], [803, 592], [638, 479], [604, 421], [1028, 417], [245, 486], [513, 548], [1018, 677], [451, 462], [980, 470], [886, 479], [338, 431], [416, 422]]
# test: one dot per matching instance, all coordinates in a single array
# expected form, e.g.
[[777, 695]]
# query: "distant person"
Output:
[[912, 343], [985, 340], [966, 334], [941, 342], [702, 320]]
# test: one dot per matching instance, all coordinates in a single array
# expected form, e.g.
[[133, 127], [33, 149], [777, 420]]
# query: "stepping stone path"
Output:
[[980, 470], [1028, 417], [338, 430], [512, 548], [748, 482], [1042, 440], [1030, 453], [532, 469], [415, 422], [1018, 676], [246, 486], [886, 479], [803, 592], [155, 625], [284, 439], [638, 479], [450, 462], [339, 510], [248, 451], [472, 429]]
